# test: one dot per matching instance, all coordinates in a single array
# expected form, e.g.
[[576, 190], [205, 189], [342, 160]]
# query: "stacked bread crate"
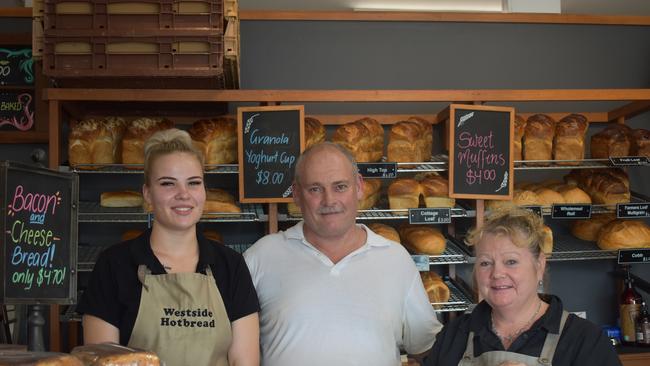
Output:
[[231, 44], [139, 43]]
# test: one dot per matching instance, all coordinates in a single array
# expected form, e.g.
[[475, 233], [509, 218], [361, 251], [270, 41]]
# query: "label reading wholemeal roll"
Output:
[[632, 210], [429, 215], [378, 170], [629, 160], [571, 212]]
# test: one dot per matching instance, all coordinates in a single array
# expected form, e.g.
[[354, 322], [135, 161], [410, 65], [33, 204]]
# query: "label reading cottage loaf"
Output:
[[197, 318]]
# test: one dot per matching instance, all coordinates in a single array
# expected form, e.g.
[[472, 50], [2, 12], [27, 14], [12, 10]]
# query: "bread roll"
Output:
[[375, 147], [26, 358], [219, 201], [217, 139], [121, 199], [131, 234], [588, 229], [520, 127], [621, 234], [293, 209], [548, 197], [573, 195], [435, 190], [314, 132], [137, 132], [423, 239], [640, 143], [569, 140], [95, 141], [356, 138], [427, 137], [526, 198], [436, 288], [538, 138], [405, 142], [109, 354], [404, 193], [386, 231], [213, 235], [371, 193], [613, 141], [547, 244], [604, 186]]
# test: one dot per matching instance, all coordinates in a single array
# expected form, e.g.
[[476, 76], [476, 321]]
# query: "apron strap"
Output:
[[208, 270], [550, 344], [143, 270], [469, 349]]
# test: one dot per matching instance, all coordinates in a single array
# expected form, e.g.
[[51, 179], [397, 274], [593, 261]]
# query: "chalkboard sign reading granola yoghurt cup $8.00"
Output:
[[270, 142], [39, 220], [480, 152]]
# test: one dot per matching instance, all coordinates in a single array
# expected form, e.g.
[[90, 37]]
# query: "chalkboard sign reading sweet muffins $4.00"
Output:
[[39, 221], [480, 152], [270, 142]]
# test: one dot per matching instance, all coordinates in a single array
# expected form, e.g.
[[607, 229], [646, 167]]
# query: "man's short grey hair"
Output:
[[323, 146]]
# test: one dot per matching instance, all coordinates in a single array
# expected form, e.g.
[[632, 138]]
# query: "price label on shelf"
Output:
[[629, 160], [571, 211], [626, 256], [378, 170], [421, 262], [429, 215], [632, 210]]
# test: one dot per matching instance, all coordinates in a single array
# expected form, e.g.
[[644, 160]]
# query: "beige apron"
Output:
[[182, 318], [495, 358]]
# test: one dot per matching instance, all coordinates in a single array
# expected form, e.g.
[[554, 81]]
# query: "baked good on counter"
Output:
[[620, 234], [26, 358], [588, 229], [216, 138], [386, 231], [520, 127], [95, 141], [435, 190], [314, 132], [404, 193], [121, 199], [640, 143], [569, 140], [111, 354], [359, 140], [613, 141], [538, 138], [427, 137], [436, 288], [137, 133], [405, 142], [371, 193], [422, 239], [547, 244], [219, 201]]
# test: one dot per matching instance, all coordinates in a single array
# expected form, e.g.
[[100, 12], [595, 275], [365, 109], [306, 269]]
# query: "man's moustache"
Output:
[[329, 210]]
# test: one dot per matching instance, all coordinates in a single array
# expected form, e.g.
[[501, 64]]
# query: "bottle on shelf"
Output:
[[643, 327], [630, 307]]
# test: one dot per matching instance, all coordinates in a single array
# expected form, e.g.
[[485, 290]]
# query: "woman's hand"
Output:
[[245, 347]]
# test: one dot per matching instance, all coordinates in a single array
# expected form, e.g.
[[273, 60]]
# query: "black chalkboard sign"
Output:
[[480, 151], [16, 65], [270, 142], [16, 111], [39, 235]]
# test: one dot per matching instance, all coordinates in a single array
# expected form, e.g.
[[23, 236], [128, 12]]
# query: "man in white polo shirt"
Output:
[[331, 291]]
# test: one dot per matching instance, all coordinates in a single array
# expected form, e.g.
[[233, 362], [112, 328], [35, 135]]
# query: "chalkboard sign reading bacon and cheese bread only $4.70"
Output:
[[480, 152], [270, 142], [39, 221]]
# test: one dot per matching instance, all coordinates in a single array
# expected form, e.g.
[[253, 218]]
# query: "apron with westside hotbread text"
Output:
[[182, 318], [493, 358]]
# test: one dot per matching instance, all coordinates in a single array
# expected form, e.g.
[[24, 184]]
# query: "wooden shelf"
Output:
[[23, 137], [16, 12], [16, 87]]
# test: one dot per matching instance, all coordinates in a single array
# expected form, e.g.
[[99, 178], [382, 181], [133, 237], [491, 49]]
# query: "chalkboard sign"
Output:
[[16, 66], [480, 152], [39, 240], [270, 142], [16, 111]]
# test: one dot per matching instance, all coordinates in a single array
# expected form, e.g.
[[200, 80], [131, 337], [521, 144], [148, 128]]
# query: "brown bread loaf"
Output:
[[96, 141], [217, 139], [386, 231], [219, 201], [404, 193], [435, 190], [137, 133], [640, 143], [427, 137], [621, 234], [613, 141], [121, 199], [569, 140], [538, 138], [375, 148], [314, 132], [589, 229], [423, 239], [356, 138], [436, 288], [405, 144], [547, 244], [371, 193]]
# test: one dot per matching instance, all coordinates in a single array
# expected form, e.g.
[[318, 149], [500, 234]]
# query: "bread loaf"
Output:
[[423, 239], [435, 287], [435, 190], [95, 141], [547, 244], [219, 201], [589, 229], [371, 193], [217, 139], [25, 358], [137, 132], [375, 147], [613, 141], [520, 127], [293, 210], [569, 140], [404, 193], [427, 137], [314, 132], [110, 354], [405, 142], [640, 143], [621, 234], [538, 138], [356, 138], [386, 231], [121, 199], [573, 195], [548, 197], [604, 186]]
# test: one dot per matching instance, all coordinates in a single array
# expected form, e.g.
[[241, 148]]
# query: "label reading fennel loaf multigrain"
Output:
[[632, 210]]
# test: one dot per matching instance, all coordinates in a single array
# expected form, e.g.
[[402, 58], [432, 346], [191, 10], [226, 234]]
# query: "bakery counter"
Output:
[[93, 212]]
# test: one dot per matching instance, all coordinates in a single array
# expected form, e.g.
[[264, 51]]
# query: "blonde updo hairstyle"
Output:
[[167, 142], [523, 227]]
